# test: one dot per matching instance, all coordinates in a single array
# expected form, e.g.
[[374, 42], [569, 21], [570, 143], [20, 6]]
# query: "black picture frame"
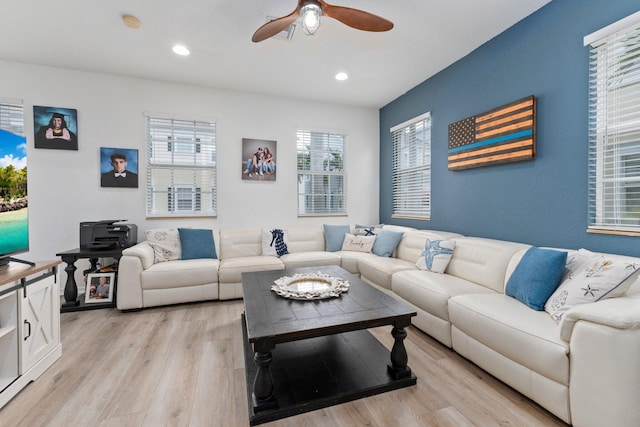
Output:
[[55, 128]]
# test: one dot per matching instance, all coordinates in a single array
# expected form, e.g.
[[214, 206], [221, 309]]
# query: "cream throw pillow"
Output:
[[436, 255], [358, 243], [589, 278], [165, 243]]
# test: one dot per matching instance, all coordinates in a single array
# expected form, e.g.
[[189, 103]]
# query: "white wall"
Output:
[[64, 186]]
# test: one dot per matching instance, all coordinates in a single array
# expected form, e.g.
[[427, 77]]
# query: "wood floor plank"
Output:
[[183, 365]]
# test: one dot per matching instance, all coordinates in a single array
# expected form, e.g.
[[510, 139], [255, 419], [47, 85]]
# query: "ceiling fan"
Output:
[[311, 10]]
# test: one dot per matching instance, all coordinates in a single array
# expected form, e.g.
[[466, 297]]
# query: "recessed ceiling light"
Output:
[[342, 76], [180, 50]]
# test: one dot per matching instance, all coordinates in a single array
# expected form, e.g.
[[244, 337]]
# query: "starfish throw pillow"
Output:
[[436, 255]]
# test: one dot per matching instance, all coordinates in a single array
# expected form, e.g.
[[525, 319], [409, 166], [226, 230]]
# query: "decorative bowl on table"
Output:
[[309, 286]]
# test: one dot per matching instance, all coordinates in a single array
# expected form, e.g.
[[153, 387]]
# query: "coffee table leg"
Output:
[[263, 383], [398, 368]]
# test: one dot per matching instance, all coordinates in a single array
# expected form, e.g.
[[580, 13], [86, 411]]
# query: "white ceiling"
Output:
[[89, 35]]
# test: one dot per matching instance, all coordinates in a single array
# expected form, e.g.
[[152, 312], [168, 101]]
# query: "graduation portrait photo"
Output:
[[55, 127], [118, 167]]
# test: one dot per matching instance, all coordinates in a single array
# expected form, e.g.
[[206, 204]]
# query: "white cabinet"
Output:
[[8, 338], [40, 317], [29, 324]]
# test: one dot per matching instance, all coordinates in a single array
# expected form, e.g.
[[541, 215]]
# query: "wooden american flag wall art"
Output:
[[503, 135]]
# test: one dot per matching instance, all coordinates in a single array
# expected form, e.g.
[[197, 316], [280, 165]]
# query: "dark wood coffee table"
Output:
[[305, 355]]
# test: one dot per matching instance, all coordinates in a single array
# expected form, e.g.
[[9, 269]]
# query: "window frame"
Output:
[[614, 128], [320, 165], [411, 173], [182, 154]]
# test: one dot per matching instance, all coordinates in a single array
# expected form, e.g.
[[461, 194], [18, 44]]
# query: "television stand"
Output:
[[6, 260]]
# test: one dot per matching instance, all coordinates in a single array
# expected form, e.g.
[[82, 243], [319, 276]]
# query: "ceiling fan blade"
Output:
[[274, 26], [358, 19]]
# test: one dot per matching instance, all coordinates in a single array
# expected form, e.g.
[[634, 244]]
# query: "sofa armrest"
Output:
[[620, 313], [134, 261], [604, 349], [142, 250]]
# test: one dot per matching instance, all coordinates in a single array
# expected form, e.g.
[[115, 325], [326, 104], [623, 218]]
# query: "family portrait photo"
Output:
[[258, 159], [55, 128], [118, 167], [99, 287]]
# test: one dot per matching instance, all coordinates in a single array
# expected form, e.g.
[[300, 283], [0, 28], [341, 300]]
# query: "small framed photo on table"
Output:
[[99, 287]]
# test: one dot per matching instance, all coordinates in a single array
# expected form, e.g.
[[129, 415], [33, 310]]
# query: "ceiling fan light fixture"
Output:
[[311, 13]]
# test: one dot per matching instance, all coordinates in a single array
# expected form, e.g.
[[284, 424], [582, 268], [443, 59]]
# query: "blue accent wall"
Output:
[[541, 202]]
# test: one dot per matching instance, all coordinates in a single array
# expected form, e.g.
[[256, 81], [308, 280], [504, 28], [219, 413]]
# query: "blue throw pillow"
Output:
[[386, 242], [197, 243], [334, 236], [536, 276]]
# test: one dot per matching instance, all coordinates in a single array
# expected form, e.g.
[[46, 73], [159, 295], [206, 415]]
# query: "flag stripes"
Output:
[[503, 135]]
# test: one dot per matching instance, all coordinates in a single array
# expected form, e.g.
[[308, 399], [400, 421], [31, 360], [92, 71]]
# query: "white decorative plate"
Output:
[[309, 286]]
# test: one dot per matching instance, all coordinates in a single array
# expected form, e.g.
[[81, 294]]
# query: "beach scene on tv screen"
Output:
[[14, 224]]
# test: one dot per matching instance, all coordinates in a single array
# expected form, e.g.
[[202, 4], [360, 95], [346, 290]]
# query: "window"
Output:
[[321, 177], [12, 116], [412, 168], [614, 127], [181, 167]]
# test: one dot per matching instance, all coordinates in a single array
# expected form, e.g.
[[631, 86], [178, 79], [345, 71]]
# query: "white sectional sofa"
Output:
[[584, 369]]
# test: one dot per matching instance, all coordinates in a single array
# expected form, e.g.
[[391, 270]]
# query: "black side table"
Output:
[[72, 302]]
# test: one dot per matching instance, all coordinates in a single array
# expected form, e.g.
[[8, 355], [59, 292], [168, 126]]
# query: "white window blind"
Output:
[[181, 167], [321, 176], [13, 155], [12, 116], [412, 168], [614, 128]]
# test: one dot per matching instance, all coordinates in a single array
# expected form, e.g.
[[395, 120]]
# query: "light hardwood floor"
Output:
[[184, 366]]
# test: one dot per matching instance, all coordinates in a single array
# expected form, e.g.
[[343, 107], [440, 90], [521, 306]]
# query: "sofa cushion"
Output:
[[436, 255], [241, 242], [536, 276], [590, 277], [310, 259], [334, 236], [231, 269], [528, 337], [360, 243], [165, 243], [386, 242], [380, 269], [431, 291], [349, 260], [180, 274], [483, 261], [197, 243], [305, 239]]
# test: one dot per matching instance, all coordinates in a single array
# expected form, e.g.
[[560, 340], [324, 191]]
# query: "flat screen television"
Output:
[[14, 211]]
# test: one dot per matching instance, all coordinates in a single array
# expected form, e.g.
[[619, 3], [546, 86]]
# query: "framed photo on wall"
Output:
[[99, 287], [118, 167], [259, 159], [55, 128]]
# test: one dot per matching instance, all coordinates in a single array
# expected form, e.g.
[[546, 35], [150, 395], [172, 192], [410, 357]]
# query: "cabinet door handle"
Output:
[[26, 322]]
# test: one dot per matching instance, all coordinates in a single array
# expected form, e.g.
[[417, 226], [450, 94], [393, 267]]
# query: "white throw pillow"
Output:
[[165, 243], [436, 255], [367, 230], [358, 243], [268, 242], [589, 278]]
